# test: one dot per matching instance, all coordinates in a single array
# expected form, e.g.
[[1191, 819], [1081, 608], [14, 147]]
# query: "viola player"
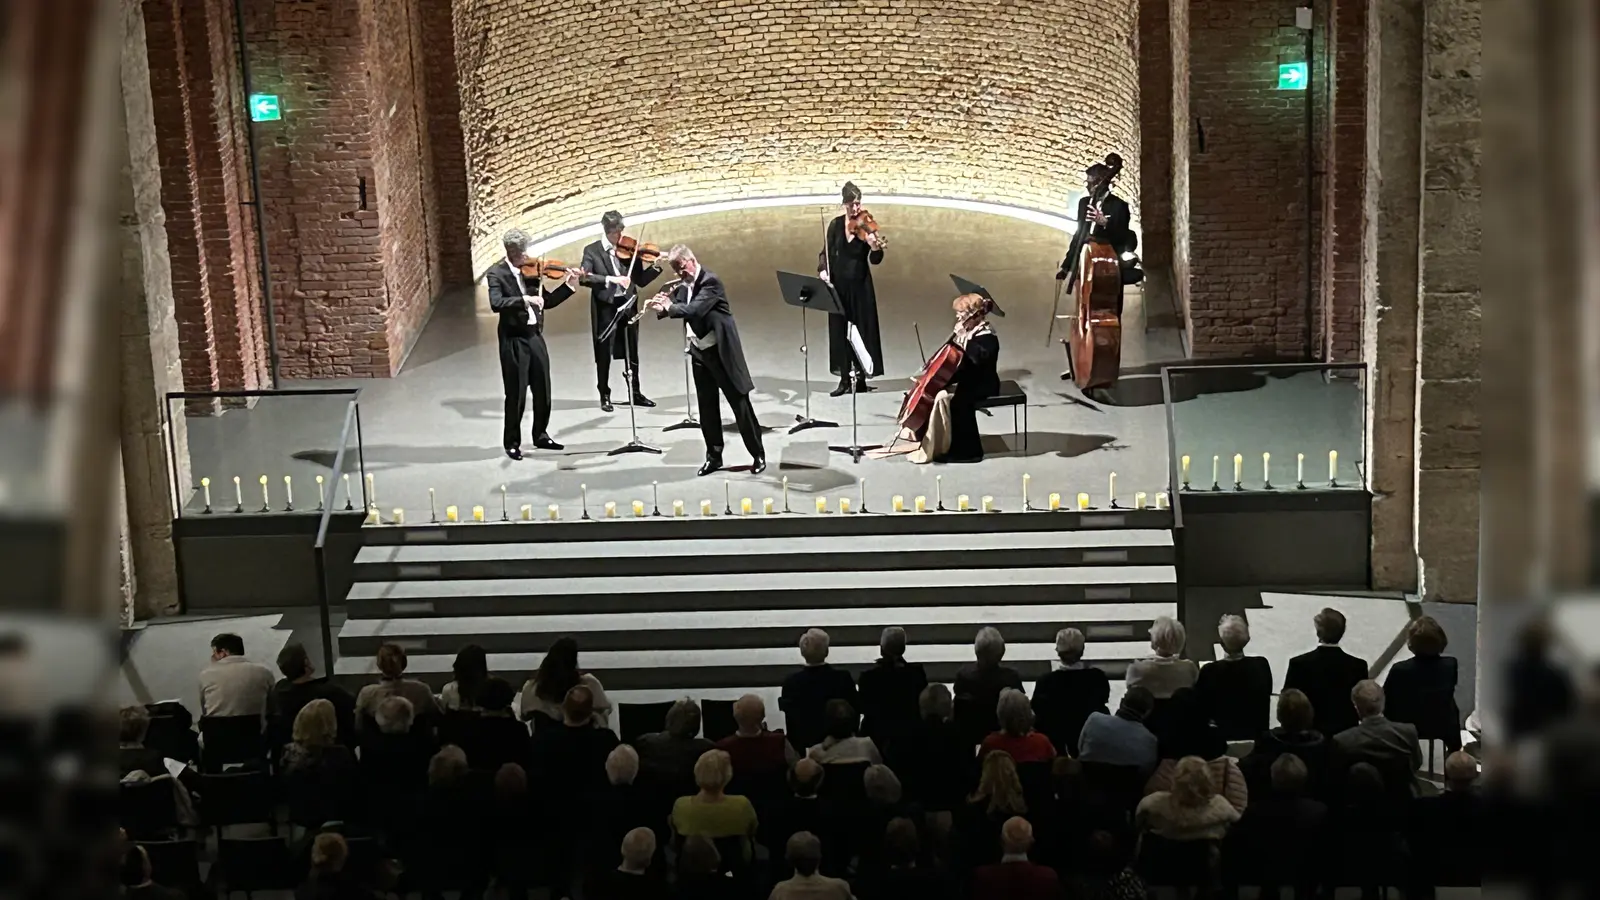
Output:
[[952, 434], [845, 263], [521, 302], [612, 282], [1104, 214]]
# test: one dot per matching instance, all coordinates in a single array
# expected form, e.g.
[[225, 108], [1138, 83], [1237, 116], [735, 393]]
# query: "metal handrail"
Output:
[[1174, 479], [262, 392], [318, 549], [1254, 367]]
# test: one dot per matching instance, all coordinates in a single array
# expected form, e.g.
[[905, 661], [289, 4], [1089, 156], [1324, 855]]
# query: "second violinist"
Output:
[[845, 263], [614, 277]]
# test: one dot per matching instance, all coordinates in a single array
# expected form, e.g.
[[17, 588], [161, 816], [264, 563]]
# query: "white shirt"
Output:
[[523, 286], [699, 343]]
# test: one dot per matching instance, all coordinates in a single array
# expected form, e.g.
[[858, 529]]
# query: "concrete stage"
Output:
[[438, 423]]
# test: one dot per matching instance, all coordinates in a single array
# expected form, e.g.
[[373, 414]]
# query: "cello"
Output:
[[936, 375], [1094, 343]]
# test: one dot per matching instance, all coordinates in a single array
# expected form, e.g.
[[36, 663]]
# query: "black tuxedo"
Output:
[[604, 300], [1326, 675], [524, 359], [1117, 231], [704, 305]]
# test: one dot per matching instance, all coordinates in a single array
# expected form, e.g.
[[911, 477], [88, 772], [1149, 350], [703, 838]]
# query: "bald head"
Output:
[[806, 777], [1016, 835], [1460, 771], [750, 713]]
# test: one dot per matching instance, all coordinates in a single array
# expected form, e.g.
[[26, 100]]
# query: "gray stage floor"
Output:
[[437, 425]]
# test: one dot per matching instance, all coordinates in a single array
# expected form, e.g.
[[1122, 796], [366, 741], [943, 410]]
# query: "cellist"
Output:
[[952, 433]]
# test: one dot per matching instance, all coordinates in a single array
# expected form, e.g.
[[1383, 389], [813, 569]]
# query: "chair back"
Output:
[[843, 786], [456, 725], [172, 738], [716, 718], [1038, 788], [538, 721], [148, 809], [1115, 787], [231, 739], [237, 798], [255, 864], [1168, 863], [174, 864], [635, 720]]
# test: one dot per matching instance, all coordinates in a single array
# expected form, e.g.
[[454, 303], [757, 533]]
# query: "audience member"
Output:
[[712, 813], [546, 692], [804, 809], [495, 737], [1447, 830], [1108, 874], [1191, 810], [929, 752], [471, 670], [635, 879], [444, 846], [299, 686], [806, 693], [1064, 698], [1186, 728], [1295, 734], [327, 879], [621, 806], [1015, 877], [394, 760], [670, 757], [700, 875], [1167, 671], [393, 683], [1390, 747], [1122, 739], [570, 758], [318, 773], [135, 877], [1539, 692], [889, 690], [133, 724], [1016, 735], [233, 685], [1236, 690], [885, 802], [755, 751], [899, 874], [1274, 840], [512, 829], [1421, 691], [978, 686], [1327, 674], [841, 744], [997, 798], [804, 853], [1369, 847]]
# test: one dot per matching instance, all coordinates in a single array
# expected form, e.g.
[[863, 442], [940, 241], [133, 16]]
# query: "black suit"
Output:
[[1422, 691], [524, 360], [1237, 693], [720, 366], [604, 300], [804, 701], [890, 692], [1063, 700], [1117, 232], [1326, 675]]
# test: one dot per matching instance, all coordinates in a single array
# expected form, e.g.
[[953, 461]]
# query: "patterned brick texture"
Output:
[[569, 109]]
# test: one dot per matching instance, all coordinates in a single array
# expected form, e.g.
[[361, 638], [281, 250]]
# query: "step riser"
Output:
[[754, 564], [915, 595], [730, 638]]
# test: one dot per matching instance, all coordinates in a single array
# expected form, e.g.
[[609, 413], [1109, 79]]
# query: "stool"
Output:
[[1010, 394]]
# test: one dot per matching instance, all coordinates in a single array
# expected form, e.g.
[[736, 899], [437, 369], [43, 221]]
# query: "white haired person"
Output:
[[712, 812], [806, 693], [1236, 690], [518, 295], [1064, 698], [978, 686], [635, 877], [1167, 671], [755, 751], [889, 690], [804, 853], [1016, 735], [717, 356]]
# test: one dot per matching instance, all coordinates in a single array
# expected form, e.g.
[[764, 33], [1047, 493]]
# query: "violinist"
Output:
[[1104, 214], [614, 277], [844, 263], [952, 433], [521, 302]]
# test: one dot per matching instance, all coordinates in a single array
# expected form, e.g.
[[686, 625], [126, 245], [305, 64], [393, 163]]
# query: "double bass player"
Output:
[[1101, 214]]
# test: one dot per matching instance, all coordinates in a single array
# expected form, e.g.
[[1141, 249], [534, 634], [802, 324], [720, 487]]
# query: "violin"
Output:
[[629, 247], [547, 268], [862, 225]]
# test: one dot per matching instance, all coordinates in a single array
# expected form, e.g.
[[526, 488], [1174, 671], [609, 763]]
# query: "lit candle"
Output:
[[638, 509], [1138, 499], [205, 489], [399, 516], [705, 507], [1025, 479], [583, 495], [1300, 468], [677, 508], [1111, 491], [862, 492], [1238, 468], [766, 506], [745, 506], [844, 505], [1083, 501], [477, 514], [288, 492], [785, 493], [1266, 469], [922, 504], [1215, 472], [505, 513], [238, 495], [348, 497], [1185, 470], [1055, 502], [938, 491], [988, 503], [899, 503], [321, 498], [611, 509], [961, 502], [265, 501], [1161, 500], [1333, 466], [372, 492], [432, 515], [450, 514], [822, 504], [554, 512], [527, 512]]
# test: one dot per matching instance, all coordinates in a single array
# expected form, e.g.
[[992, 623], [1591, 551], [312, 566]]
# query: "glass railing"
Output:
[[265, 452], [1274, 427]]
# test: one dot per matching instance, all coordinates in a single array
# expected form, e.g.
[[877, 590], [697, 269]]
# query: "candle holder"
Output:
[[938, 493], [583, 490], [288, 493], [321, 499], [349, 499], [785, 493], [433, 513], [266, 502], [238, 496], [1266, 472], [505, 514], [205, 485], [727, 497]]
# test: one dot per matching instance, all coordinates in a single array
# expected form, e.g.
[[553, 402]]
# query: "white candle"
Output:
[[288, 492], [399, 516], [638, 509], [727, 495], [822, 504], [611, 509], [1161, 500], [844, 505], [1083, 501], [766, 506], [1215, 461], [922, 504], [349, 498], [1333, 466], [527, 512], [938, 490], [265, 500], [1055, 502], [899, 503], [1025, 479], [238, 493], [433, 515], [961, 502], [1238, 468], [1111, 491], [554, 512], [988, 503], [677, 507], [1299, 468], [477, 514], [862, 492], [372, 492], [705, 507], [745, 506], [321, 498], [205, 488], [1266, 468], [785, 493], [503, 510], [1138, 499], [583, 494], [1185, 463], [451, 514], [372, 516]]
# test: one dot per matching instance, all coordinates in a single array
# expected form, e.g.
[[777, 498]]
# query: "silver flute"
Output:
[[667, 288]]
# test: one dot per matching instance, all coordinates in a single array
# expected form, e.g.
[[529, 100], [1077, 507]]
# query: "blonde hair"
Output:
[[329, 851], [713, 770], [315, 724], [1000, 785], [967, 304], [1191, 782], [1167, 636]]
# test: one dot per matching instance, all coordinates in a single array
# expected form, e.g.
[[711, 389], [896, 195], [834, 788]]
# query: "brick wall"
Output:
[[1005, 103], [1178, 37], [449, 152], [1344, 287], [1155, 132]]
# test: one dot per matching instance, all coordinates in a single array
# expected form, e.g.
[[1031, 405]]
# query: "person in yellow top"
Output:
[[711, 813]]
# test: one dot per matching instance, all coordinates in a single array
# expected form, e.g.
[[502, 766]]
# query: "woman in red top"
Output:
[[1016, 735]]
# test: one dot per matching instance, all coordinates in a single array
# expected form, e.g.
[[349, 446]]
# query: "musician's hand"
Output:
[[874, 242], [1061, 274], [825, 279], [1097, 216], [534, 301], [620, 281], [572, 277]]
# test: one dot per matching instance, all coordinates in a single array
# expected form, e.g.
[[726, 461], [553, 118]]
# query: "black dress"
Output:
[[848, 266], [977, 378]]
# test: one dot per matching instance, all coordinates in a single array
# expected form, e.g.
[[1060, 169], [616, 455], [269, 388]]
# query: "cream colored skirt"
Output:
[[935, 441]]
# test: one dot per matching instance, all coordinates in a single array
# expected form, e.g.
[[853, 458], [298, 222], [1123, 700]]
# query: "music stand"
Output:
[[860, 361], [972, 287], [689, 421], [620, 321], [808, 292]]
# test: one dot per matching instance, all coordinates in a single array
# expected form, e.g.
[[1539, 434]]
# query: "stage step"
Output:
[[734, 556]]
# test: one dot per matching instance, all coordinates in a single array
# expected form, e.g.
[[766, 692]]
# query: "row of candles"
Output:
[[288, 494], [1266, 472]]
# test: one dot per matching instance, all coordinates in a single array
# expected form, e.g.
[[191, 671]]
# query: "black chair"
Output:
[[538, 721], [638, 719], [237, 798], [1178, 864], [1010, 394], [254, 864], [175, 864], [1038, 787], [455, 726], [148, 810], [228, 740], [716, 717], [169, 736], [1113, 787]]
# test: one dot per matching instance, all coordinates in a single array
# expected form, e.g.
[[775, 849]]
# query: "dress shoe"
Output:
[[841, 390], [514, 452], [643, 402], [543, 442], [758, 465], [713, 463], [861, 387], [605, 403]]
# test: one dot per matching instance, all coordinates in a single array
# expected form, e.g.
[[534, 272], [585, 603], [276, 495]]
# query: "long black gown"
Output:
[[848, 266]]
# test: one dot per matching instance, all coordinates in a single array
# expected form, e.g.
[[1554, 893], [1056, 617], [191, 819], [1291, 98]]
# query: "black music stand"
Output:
[[972, 287], [860, 361], [808, 292], [620, 320]]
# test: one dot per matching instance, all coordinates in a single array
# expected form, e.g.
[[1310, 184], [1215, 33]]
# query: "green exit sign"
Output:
[[1293, 76], [265, 108]]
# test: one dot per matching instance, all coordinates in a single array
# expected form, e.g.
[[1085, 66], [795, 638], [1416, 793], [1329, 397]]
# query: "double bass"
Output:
[[936, 375], [1094, 344]]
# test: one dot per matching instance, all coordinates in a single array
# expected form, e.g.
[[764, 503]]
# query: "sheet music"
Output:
[[859, 347]]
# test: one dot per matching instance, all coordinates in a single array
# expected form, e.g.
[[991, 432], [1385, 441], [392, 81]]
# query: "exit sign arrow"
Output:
[[265, 108], [1293, 76]]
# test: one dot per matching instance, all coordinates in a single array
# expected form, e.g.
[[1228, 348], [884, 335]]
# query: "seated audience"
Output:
[[711, 813], [621, 807], [299, 686], [327, 879], [135, 878], [670, 757], [1108, 874], [885, 802], [1122, 739], [1016, 735], [512, 829], [889, 690], [393, 683], [1064, 698], [1421, 691], [1189, 733], [899, 873], [546, 692], [1236, 689], [233, 685], [495, 737], [394, 759], [978, 686], [1015, 877], [1327, 674], [1368, 841], [806, 693], [569, 759], [997, 798], [1166, 672], [755, 751], [1446, 831], [1296, 733], [700, 875], [133, 723], [471, 670], [319, 774], [635, 878], [1538, 692], [841, 743], [1390, 747], [1274, 840], [804, 853], [1190, 811], [804, 809], [443, 844], [930, 750]]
